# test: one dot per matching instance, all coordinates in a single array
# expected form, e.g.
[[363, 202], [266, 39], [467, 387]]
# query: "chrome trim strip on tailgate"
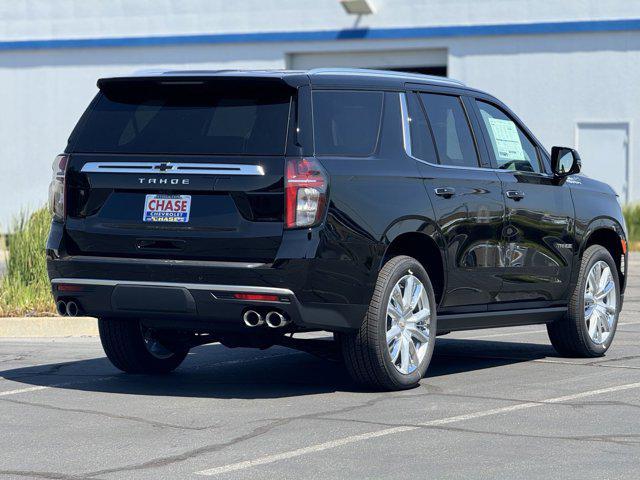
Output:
[[162, 261], [173, 168], [188, 286]]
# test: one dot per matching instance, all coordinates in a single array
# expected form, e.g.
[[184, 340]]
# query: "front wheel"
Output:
[[134, 348], [592, 316], [393, 347]]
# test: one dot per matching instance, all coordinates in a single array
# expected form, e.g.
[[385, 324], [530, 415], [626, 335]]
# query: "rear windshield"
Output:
[[184, 119]]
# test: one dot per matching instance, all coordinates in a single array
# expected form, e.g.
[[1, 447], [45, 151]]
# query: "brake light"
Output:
[[306, 185], [57, 187]]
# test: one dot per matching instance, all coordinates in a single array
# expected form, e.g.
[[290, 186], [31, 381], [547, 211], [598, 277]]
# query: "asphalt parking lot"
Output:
[[496, 404]]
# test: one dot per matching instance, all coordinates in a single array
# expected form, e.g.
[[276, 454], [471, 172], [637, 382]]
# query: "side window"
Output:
[[422, 146], [512, 149], [451, 130], [346, 122]]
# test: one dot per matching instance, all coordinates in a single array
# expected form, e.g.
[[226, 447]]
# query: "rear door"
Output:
[[466, 198], [180, 168], [538, 233]]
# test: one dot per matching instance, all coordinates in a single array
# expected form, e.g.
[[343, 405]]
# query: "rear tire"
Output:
[[576, 335], [133, 348], [380, 364]]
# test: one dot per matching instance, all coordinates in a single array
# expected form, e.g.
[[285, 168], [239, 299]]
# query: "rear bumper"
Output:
[[144, 292], [317, 287]]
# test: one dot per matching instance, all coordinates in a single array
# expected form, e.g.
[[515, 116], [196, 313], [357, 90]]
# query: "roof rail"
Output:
[[385, 73]]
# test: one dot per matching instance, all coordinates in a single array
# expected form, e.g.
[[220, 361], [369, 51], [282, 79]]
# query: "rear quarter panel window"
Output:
[[346, 123]]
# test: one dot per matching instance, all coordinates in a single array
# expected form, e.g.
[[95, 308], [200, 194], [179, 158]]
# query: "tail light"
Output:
[[56, 187], [306, 185]]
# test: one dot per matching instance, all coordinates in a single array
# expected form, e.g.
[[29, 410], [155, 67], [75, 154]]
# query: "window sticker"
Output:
[[507, 140]]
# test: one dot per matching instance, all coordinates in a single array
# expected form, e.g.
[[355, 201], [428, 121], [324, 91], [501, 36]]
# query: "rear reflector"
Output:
[[256, 296], [70, 288]]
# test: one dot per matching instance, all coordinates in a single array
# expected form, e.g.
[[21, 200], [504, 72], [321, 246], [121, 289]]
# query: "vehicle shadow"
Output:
[[213, 371]]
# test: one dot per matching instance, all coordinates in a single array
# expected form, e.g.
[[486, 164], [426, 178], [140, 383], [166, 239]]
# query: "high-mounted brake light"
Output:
[[306, 185], [57, 187]]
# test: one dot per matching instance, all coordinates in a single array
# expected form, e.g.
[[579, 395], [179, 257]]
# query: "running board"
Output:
[[507, 318]]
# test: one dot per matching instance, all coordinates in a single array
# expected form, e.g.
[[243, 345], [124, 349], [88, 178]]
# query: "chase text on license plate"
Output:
[[167, 208]]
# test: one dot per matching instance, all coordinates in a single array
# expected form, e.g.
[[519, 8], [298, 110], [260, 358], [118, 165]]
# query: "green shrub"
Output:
[[632, 218], [25, 287]]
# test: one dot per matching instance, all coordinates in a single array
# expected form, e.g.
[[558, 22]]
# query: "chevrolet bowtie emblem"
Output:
[[163, 167]]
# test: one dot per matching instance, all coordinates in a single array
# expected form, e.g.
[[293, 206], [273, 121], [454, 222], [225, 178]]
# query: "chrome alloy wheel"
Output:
[[408, 324], [600, 302], [154, 346]]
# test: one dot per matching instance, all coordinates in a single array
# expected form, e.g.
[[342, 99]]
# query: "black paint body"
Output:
[[502, 261]]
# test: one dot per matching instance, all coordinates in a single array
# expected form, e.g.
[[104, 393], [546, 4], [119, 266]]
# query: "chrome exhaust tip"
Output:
[[276, 320], [72, 309], [252, 318], [61, 307]]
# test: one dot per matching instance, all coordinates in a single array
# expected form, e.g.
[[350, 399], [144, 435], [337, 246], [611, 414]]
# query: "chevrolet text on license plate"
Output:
[[167, 208]]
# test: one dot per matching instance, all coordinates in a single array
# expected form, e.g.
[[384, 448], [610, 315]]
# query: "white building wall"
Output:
[[45, 19], [552, 81]]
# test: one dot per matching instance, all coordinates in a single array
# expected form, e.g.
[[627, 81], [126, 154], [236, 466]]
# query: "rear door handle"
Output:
[[446, 192], [514, 195]]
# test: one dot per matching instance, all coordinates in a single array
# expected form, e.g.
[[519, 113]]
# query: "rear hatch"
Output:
[[180, 168]]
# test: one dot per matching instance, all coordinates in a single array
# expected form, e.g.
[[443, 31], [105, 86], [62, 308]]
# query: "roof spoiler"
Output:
[[222, 81]]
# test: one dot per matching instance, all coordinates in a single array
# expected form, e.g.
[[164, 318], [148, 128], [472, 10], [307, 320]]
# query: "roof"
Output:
[[316, 76]]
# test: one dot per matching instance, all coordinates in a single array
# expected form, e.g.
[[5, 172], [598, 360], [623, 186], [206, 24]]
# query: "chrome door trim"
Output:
[[173, 168], [406, 134]]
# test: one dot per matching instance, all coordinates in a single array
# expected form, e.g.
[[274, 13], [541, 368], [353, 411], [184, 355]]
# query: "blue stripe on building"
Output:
[[329, 35]]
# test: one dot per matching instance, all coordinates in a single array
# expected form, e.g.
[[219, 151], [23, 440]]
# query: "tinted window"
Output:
[[422, 146], [451, 130], [346, 123], [512, 149], [184, 119]]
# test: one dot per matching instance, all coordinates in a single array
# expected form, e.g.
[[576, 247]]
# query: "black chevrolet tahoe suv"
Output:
[[243, 207]]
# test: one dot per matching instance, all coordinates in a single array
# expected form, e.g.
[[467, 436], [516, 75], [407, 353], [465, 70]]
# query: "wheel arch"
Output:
[[421, 241], [609, 234]]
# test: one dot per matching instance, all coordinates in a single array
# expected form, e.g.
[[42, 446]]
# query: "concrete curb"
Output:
[[48, 327]]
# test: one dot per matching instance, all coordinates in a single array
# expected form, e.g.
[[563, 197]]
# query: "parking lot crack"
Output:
[[258, 431], [152, 423], [44, 475], [618, 439], [190, 454]]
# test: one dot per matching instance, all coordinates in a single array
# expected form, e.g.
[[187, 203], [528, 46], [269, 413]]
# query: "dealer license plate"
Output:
[[167, 208]]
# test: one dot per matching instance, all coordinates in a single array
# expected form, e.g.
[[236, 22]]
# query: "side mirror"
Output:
[[565, 161]]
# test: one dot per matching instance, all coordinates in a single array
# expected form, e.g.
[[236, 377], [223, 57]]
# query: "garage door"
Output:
[[430, 61], [604, 149]]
